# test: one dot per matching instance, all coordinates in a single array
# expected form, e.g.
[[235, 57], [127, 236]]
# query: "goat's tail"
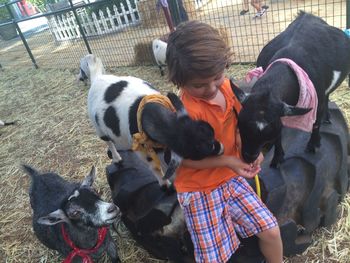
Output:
[[30, 170], [34, 176]]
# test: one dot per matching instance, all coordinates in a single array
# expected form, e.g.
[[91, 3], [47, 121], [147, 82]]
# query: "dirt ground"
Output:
[[245, 35], [53, 133]]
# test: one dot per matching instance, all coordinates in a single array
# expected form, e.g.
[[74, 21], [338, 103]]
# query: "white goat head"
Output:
[[90, 67]]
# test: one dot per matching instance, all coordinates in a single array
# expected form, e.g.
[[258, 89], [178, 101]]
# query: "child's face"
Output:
[[205, 88]]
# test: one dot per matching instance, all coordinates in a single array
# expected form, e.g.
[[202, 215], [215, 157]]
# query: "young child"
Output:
[[215, 197]]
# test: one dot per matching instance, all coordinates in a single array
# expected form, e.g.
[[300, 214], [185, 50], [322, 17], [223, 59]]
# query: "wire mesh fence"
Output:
[[119, 42]]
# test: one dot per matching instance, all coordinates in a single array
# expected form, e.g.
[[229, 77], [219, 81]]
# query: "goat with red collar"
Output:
[[297, 71], [71, 218]]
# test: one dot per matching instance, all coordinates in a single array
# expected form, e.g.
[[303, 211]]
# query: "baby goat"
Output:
[[70, 217], [301, 67], [113, 104]]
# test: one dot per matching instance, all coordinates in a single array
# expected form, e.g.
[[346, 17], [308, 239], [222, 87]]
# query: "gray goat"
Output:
[[71, 218]]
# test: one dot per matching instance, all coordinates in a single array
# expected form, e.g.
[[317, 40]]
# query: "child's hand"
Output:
[[242, 168]]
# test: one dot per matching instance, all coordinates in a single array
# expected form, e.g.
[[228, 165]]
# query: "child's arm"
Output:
[[234, 163]]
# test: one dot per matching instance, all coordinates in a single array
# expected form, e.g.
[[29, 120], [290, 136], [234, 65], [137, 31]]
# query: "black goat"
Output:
[[320, 50], [70, 217]]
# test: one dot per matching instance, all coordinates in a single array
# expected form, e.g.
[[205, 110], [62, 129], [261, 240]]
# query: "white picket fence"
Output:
[[199, 3], [65, 26]]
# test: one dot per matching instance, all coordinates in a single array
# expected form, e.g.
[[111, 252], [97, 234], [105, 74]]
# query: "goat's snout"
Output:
[[249, 158], [112, 209], [82, 76], [111, 214]]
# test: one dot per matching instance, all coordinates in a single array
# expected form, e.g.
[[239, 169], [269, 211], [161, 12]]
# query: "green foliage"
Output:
[[4, 14], [41, 4]]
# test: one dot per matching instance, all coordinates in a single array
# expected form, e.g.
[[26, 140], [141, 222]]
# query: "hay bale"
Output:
[[148, 14], [143, 53]]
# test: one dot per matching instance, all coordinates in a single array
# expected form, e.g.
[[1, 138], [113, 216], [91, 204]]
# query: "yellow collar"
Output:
[[141, 142]]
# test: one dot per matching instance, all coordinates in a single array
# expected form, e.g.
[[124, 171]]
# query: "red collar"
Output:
[[83, 253]]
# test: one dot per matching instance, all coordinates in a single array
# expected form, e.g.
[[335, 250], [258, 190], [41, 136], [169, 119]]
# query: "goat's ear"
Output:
[[175, 161], [54, 218], [175, 100], [90, 178], [289, 110], [240, 94]]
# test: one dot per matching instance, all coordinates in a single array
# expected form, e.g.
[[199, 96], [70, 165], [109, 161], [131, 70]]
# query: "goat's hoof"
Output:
[[311, 148], [327, 121]]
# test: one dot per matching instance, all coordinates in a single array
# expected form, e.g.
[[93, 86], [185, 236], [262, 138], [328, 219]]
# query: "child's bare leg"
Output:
[[271, 245], [245, 4], [245, 7], [256, 4]]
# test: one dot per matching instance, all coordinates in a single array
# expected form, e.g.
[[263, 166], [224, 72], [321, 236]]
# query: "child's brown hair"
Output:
[[195, 49]]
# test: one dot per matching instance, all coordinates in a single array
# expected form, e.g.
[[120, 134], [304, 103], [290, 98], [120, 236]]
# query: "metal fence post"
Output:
[[20, 33], [174, 10], [348, 25], [80, 27]]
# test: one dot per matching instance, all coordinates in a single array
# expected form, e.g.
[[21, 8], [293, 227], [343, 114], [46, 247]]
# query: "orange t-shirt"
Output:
[[225, 128]]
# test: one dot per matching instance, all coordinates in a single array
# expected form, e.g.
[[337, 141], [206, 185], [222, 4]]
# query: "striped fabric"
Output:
[[214, 218]]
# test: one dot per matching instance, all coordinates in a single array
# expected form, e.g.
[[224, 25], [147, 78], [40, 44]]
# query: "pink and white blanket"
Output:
[[307, 95]]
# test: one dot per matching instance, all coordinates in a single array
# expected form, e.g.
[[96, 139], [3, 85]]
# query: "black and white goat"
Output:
[[113, 104], [70, 217], [159, 53], [323, 53]]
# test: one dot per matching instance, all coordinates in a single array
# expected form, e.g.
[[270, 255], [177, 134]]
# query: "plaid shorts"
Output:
[[214, 218]]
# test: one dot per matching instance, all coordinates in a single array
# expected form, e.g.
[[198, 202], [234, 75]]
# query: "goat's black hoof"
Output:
[[327, 121], [311, 148], [109, 153]]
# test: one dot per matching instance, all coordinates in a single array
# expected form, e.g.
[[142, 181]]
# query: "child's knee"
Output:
[[270, 234]]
